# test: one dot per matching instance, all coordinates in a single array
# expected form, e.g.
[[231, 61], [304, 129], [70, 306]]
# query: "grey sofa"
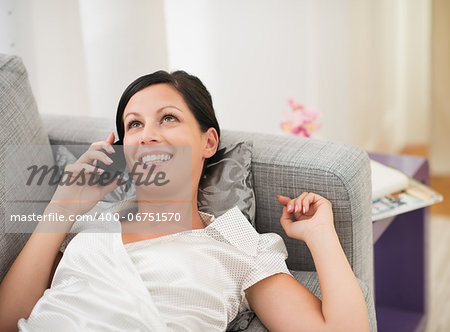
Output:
[[280, 165]]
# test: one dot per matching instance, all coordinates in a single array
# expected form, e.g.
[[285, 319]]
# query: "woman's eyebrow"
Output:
[[168, 106], [131, 113], [158, 111]]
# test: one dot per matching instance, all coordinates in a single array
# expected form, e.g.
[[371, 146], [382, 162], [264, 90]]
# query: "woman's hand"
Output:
[[312, 213], [79, 198]]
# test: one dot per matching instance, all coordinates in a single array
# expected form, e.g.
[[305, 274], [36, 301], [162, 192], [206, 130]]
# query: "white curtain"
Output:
[[81, 54], [122, 40], [364, 63], [47, 35], [390, 68]]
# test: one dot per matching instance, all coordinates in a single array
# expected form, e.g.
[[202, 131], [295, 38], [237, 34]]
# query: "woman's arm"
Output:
[[33, 269], [29, 276], [283, 304]]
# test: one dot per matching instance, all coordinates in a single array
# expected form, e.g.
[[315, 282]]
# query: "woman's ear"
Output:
[[211, 142]]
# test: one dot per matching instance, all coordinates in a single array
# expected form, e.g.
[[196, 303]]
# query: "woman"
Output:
[[170, 278]]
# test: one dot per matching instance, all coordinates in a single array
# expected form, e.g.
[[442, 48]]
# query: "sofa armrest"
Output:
[[340, 172]]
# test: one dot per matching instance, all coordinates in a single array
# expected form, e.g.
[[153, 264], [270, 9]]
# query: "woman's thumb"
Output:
[[286, 221], [110, 138]]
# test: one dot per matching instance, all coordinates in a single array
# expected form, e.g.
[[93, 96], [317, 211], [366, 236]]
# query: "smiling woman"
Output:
[[169, 116], [190, 106], [164, 275]]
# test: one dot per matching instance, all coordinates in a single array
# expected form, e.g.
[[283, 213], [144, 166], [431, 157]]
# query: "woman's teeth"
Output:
[[154, 158]]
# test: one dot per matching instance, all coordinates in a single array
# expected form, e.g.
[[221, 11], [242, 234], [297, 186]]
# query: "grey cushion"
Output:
[[228, 182], [21, 129]]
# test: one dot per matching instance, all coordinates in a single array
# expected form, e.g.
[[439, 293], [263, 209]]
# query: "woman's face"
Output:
[[158, 125]]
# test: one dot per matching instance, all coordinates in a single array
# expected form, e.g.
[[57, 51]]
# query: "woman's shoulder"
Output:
[[239, 232]]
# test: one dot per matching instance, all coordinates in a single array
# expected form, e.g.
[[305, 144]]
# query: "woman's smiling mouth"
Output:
[[154, 158]]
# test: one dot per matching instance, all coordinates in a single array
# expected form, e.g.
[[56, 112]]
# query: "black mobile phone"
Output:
[[118, 166]]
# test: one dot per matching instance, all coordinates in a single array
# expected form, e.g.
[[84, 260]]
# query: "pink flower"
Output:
[[301, 121]]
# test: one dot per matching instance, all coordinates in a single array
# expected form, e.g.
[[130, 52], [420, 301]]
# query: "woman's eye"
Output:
[[169, 118], [133, 124]]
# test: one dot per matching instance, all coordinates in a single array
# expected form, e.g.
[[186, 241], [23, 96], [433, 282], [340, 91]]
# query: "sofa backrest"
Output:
[[21, 128]]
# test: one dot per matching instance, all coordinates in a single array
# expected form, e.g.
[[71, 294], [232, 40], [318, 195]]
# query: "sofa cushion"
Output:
[[21, 129], [228, 182]]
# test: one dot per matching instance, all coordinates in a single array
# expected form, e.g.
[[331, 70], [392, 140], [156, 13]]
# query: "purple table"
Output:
[[400, 257]]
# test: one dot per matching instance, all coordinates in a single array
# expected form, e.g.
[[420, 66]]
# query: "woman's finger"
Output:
[[107, 144], [287, 202], [77, 168], [110, 141], [110, 138], [299, 202], [283, 199], [102, 145], [309, 199], [89, 156], [291, 206]]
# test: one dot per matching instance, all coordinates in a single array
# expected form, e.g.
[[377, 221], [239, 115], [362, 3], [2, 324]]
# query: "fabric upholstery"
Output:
[[21, 127]]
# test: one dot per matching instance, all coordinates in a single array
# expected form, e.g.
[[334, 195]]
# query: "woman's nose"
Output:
[[150, 135]]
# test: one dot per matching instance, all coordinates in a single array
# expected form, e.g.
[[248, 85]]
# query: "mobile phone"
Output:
[[116, 168]]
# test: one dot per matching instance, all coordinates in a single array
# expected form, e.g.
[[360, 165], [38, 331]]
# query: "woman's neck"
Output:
[[168, 216], [183, 212]]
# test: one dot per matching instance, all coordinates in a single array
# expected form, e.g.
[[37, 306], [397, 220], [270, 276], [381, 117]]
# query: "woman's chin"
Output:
[[170, 191]]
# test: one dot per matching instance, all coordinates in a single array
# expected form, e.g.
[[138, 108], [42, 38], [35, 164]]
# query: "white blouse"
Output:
[[187, 281]]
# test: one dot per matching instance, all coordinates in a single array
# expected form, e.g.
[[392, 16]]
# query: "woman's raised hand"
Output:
[[312, 213], [81, 196]]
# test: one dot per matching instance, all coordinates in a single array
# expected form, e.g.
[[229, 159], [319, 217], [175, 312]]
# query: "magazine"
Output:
[[386, 180], [415, 196]]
